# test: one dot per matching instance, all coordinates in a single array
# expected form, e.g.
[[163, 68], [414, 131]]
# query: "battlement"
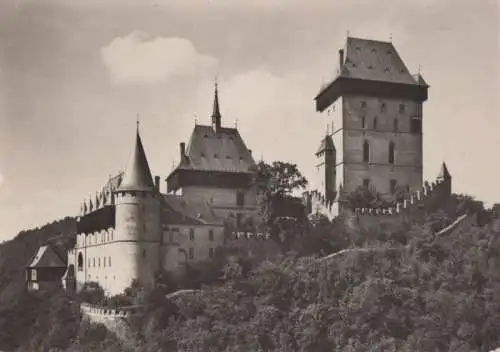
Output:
[[247, 236], [435, 192], [317, 203], [103, 312]]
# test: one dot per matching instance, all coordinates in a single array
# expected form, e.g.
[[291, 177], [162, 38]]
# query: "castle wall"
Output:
[[113, 263], [407, 167], [179, 247]]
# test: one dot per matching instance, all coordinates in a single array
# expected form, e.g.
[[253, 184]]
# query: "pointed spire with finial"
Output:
[[444, 174], [137, 176], [216, 117]]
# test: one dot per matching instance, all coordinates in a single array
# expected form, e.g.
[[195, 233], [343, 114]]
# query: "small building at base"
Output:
[[45, 269]]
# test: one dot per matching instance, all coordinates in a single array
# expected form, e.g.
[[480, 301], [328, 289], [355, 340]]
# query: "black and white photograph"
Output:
[[264, 175]]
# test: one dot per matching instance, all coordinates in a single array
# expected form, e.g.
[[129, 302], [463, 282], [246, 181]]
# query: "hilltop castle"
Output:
[[130, 230]]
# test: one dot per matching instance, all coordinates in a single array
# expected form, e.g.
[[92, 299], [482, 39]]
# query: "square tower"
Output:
[[375, 105]]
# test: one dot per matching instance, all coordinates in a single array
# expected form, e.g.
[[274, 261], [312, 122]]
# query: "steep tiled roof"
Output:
[[179, 211], [326, 144], [374, 60], [137, 175], [223, 150], [46, 257]]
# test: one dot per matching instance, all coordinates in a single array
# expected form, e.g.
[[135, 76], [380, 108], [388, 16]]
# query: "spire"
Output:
[[444, 174], [137, 175], [216, 111]]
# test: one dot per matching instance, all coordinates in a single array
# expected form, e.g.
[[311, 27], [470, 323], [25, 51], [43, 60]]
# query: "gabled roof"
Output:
[[326, 144], [223, 150], [46, 257], [178, 211], [374, 60], [137, 176]]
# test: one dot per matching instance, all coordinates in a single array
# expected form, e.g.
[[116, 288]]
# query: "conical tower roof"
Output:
[[137, 175], [444, 174]]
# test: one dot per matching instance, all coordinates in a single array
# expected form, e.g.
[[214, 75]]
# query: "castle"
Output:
[[130, 230]]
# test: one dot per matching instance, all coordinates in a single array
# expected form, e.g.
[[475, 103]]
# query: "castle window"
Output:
[[370, 67], [191, 234], [33, 274], [210, 252], [391, 152], [93, 262], [416, 125], [402, 108], [191, 253], [109, 261], [240, 198], [375, 123], [366, 183], [396, 125], [216, 156], [383, 107], [104, 261], [393, 186], [143, 254], [366, 151], [89, 263], [99, 262], [363, 122], [211, 235], [363, 105], [80, 262]]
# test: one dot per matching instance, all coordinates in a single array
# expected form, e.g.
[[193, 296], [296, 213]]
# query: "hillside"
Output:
[[16, 253], [400, 289]]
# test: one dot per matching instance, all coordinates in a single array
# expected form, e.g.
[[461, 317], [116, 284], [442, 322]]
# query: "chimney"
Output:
[[250, 151], [183, 151], [157, 183], [341, 58]]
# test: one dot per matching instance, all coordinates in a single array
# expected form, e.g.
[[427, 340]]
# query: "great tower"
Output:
[[375, 107]]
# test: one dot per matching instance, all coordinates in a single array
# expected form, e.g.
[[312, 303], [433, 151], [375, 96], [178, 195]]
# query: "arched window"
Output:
[[80, 262], [366, 151], [375, 123], [396, 125], [391, 152]]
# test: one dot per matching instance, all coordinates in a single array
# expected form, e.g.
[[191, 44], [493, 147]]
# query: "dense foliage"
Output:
[[394, 288]]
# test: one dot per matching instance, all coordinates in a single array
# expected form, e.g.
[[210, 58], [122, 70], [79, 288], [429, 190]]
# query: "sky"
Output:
[[75, 76]]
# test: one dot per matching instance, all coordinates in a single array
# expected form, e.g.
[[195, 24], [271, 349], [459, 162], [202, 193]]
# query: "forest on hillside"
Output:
[[398, 288]]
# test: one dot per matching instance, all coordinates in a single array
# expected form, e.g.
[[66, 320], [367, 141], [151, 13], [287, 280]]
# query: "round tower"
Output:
[[137, 224]]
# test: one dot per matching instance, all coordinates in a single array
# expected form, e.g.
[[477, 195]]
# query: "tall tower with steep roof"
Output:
[[137, 216], [376, 106]]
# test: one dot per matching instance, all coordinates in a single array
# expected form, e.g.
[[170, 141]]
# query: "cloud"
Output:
[[141, 58]]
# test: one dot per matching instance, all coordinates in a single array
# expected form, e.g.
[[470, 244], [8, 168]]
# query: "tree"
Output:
[[275, 185], [363, 197]]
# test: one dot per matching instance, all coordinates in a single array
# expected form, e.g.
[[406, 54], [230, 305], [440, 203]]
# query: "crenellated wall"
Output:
[[255, 245], [317, 203]]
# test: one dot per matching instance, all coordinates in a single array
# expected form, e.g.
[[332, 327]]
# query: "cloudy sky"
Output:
[[75, 74]]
